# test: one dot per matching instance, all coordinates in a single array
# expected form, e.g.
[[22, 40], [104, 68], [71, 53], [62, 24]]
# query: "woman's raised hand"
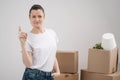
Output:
[[22, 36]]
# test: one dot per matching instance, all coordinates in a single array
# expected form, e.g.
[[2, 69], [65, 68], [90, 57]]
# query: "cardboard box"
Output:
[[102, 61], [68, 61], [67, 76], [86, 75]]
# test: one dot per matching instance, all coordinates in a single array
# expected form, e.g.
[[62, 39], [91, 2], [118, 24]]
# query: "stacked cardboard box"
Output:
[[87, 75], [68, 64], [102, 65], [67, 76]]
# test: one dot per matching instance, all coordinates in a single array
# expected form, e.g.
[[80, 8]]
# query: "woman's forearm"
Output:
[[56, 66], [26, 57]]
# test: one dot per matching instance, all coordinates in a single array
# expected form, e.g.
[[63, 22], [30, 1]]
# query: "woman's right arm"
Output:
[[26, 56]]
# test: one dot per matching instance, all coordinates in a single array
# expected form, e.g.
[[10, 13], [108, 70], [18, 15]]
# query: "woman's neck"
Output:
[[37, 30]]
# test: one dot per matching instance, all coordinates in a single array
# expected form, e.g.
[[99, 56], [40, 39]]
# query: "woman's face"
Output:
[[36, 18]]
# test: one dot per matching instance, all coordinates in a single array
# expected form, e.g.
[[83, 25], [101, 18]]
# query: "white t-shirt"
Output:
[[43, 46]]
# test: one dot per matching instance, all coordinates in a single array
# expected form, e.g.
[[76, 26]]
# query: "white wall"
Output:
[[78, 23]]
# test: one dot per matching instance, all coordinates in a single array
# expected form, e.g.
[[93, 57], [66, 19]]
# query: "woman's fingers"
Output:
[[55, 74], [22, 34]]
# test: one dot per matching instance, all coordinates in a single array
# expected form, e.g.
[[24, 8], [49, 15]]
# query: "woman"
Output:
[[39, 48]]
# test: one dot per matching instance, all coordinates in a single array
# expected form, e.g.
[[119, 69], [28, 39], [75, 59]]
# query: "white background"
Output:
[[79, 24]]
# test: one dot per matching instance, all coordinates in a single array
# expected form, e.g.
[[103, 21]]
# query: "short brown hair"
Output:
[[36, 7]]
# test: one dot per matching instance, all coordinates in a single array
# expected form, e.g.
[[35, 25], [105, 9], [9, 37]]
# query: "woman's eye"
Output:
[[33, 16], [39, 16]]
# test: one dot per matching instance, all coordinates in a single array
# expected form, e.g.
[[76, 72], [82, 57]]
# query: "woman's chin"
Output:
[[37, 26]]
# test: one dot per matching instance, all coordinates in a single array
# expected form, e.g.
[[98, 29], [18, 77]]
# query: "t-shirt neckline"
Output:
[[39, 33]]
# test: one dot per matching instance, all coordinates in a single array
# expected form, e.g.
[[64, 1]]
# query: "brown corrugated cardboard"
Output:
[[102, 61], [86, 75], [67, 76], [68, 61]]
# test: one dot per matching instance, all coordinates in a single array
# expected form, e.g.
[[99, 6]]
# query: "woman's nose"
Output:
[[37, 19]]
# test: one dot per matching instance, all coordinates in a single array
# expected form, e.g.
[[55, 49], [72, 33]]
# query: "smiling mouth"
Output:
[[37, 23]]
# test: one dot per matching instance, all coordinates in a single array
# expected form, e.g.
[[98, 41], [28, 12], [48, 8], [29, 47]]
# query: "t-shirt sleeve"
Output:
[[55, 36], [57, 39]]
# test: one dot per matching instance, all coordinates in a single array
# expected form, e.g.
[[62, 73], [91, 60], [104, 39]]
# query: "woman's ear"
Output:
[[44, 17], [29, 17]]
